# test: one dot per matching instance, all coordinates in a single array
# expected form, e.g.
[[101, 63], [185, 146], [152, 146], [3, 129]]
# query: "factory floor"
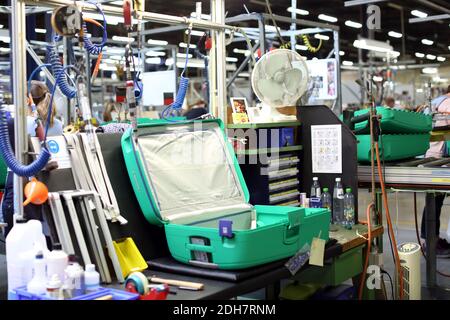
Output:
[[404, 229]]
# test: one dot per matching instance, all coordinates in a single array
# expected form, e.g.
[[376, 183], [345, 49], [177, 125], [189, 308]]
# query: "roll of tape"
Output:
[[139, 281]]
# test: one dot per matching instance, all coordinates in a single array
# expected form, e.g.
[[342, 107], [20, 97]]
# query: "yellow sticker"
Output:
[[446, 180]]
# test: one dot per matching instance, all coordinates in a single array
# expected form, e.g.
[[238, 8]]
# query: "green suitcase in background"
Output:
[[394, 146], [186, 178], [396, 121]]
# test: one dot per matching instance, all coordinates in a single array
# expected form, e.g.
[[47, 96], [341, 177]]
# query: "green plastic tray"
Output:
[[396, 121], [394, 146]]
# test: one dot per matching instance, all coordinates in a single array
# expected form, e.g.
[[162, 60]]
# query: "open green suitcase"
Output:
[[394, 146], [396, 121], [186, 177]]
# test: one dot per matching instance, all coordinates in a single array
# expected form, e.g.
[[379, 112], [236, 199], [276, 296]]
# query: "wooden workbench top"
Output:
[[353, 238]]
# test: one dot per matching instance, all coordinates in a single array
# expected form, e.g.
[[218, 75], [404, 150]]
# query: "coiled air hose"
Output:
[[58, 71], [6, 150]]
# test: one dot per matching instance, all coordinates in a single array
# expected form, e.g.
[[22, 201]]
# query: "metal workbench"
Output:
[[417, 176]]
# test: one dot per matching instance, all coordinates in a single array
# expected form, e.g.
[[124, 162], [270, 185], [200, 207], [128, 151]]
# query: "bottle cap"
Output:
[[315, 178], [338, 179], [57, 246], [21, 220], [39, 255], [90, 267], [325, 189], [73, 258], [348, 190]]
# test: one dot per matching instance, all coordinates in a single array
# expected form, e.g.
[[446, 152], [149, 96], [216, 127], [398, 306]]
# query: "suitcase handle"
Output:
[[291, 239], [199, 247]]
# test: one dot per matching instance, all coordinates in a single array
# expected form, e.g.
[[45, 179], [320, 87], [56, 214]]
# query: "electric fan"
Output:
[[279, 79]]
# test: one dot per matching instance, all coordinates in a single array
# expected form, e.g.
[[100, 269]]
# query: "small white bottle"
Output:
[[74, 278], [38, 284], [57, 261], [54, 287], [91, 278]]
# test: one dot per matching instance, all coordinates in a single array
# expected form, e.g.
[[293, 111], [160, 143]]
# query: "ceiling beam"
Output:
[[360, 2], [430, 18]]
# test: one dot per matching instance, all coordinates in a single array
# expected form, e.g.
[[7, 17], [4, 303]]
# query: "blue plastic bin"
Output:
[[23, 294]]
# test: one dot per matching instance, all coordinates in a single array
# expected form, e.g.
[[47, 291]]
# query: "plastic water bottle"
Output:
[[74, 278], [38, 284], [349, 209], [326, 200], [338, 202], [57, 261], [315, 188], [91, 278]]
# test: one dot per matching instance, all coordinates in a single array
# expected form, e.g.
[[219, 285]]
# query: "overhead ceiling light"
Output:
[[123, 39], [420, 55], [157, 42], [427, 42], [155, 54], [419, 90], [203, 16], [270, 28], [154, 60], [429, 70], [106, 67], [321, 36], [193, 63], [241, 51], [394, 34], [328, 18], [244, 75], [39, 30], [377, 78], [347, 63], [298, 11], [341, 53], [353, 24], [301, 47], [195, 33], [441, 59], [1, 26], [5, 50], [431, 57], [184, 45], [117, 57], [374, 45], [231, 59], [183, 55], [5, 39], [394, 54], [117, 3], [448, 47], [419, 14]]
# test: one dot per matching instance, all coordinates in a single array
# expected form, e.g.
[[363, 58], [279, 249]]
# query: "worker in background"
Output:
[[196, 110], [37, 107], [389, 102], [110, 113], [438, 150]]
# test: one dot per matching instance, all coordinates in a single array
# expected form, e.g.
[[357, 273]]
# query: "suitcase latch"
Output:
[[294, 219], [226, 229]]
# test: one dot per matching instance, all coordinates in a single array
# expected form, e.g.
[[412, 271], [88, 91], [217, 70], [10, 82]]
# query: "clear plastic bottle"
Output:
[[326, 200], [349, 209], [338, 202], [315, 188], [38, 284]]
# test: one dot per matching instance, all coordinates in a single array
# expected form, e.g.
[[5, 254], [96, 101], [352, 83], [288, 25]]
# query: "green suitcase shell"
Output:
[[190, 198], [396, 121], [394, 146]]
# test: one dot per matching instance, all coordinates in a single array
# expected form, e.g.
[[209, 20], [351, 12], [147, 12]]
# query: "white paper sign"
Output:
[[58, 150], [326, 148]]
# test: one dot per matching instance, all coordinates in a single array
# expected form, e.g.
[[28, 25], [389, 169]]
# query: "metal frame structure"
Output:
[[18, 43]]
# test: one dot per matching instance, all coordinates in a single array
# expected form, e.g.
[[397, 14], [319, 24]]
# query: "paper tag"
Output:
[[317, 252], [298, 260]]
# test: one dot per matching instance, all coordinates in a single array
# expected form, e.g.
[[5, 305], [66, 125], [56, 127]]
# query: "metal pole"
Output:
[[220, 61], [293, 24], [338, 109], [213, 66], [18, 52]]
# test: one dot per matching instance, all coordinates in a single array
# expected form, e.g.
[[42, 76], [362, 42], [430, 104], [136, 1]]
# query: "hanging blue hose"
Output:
[[182, 88], [58, 71], [91, 47], [5, 144]]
